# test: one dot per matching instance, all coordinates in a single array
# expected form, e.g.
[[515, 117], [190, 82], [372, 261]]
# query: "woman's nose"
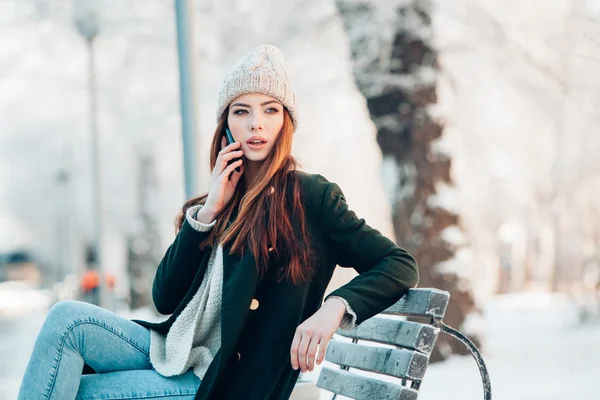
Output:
[[256, 124]]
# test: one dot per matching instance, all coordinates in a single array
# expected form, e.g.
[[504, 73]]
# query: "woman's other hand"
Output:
[[316, 331]]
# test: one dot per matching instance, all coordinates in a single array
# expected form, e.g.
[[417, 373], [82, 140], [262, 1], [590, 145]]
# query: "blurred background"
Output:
[[465, 130]]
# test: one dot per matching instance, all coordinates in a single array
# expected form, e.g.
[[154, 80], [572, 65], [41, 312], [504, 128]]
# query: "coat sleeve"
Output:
[[180, 264], [386, 271]]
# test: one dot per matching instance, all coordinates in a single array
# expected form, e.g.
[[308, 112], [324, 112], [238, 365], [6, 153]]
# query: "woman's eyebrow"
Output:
[[269, 102], [262, 104]]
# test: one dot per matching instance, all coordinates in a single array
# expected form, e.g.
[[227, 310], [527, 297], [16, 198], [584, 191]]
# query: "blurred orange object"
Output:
[[110, 281], [90, 281]]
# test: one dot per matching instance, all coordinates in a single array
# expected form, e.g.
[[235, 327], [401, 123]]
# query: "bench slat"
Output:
[[431, 303], [400, 363], [361, 387], [411, 335]]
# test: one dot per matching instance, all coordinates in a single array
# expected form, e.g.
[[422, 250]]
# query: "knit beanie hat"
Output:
[[260, 71]]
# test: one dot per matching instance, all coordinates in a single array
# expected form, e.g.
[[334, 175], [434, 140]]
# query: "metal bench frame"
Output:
[[407, 360]]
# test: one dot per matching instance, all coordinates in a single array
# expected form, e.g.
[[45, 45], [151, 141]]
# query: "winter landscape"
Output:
[[466, 131]]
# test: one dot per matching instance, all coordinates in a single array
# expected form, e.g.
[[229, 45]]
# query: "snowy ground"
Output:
[[17, 336], [535, 349]]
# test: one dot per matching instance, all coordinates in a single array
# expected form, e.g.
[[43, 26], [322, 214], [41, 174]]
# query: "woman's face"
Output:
[[255, 116]]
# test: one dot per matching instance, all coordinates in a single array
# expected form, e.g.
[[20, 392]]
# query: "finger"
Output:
[[226, 160], [235, 176], [322, 350], [230, 147], [232, 155], [312, 349], [224, 155], [294, 351], [302, 350], [227, 171]]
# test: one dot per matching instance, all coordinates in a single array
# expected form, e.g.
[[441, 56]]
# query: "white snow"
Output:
[[535, 349]]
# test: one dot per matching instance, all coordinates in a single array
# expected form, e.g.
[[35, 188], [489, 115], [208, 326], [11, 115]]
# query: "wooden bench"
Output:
[[405, 362]]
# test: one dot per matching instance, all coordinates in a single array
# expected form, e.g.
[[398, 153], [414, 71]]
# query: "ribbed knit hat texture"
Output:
[[260, 71]]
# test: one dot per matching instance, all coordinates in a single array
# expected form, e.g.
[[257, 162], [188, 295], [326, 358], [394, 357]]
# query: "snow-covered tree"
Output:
[[395, 67]]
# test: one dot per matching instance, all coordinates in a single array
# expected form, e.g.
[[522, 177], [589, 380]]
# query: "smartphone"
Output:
[[230, 140]]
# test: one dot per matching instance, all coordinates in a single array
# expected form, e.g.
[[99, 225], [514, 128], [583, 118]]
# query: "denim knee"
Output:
[[66, 311], [63, 315], [64, 322]]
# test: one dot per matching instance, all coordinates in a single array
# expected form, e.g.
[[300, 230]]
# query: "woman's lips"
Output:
[[256, 146]]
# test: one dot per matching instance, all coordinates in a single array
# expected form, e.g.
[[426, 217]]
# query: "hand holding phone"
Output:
[[224, 178], [230, 140]]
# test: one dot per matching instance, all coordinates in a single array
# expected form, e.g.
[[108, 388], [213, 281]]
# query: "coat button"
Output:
[[239, 356], [254, 304]]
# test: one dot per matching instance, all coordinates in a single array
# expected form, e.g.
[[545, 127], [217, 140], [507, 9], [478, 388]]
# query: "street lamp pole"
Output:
[[87, 26], [184, 12]]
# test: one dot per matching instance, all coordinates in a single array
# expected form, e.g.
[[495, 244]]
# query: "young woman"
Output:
[[244, 279]]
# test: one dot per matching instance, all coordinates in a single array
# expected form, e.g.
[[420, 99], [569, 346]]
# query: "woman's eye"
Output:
[[272, 110], [239, 112]]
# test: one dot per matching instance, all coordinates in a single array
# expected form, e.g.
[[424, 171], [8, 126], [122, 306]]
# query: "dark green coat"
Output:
[[263, 336]]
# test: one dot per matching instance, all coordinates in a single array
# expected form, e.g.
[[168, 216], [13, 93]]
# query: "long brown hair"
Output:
[[265, 216]]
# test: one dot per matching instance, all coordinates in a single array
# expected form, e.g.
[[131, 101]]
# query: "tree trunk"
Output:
[[142, 248], [395, 68]]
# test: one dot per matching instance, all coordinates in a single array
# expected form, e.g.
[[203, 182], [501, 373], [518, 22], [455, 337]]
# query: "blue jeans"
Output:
[[75, 333]]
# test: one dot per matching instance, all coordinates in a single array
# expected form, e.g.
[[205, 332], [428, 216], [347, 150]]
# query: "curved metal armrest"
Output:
[[485, 377]]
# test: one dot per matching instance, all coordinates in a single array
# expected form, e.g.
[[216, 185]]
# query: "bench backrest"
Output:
[[405, 362]]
